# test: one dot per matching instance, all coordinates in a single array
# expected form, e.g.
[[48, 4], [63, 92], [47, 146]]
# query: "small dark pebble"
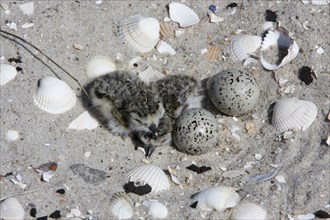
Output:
[[322, 214], [213, 8], [9, 174], [16, 60], [194, 205], [271, 16], [231, 5], [139, 190], [43, 218], [61, 191], [305, 74], [197, 169], [19, 69], [56, 214], [33, 212]]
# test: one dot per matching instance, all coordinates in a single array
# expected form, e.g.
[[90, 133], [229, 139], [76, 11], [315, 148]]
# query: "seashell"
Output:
[[166, 30], [320, 2], [163, 47], [141, 33], [150, 75], [99, 65], [292, 113], [83, 121], [248, 211], [216, 197], [243, 45], [213, 53], [10, 208], [156, 209], [151, 175], [121, 205], [277, 49], [12, 135], [182, 14], [214, 18], [54, 96], [7, 73]]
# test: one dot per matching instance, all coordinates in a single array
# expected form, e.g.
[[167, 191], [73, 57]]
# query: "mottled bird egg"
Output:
[[195, 131], [234, 92]]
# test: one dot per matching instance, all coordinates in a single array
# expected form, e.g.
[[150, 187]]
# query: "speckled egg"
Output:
[[195, 131], [234, 92]]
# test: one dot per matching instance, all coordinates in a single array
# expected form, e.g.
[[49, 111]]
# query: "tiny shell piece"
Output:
[[216, 197], [83, 121], [141, 33], [166, 30], [54, 96], [7, 73], [243, 45], [213, 53], [163, 47], [292, 113], [249, 211], [156, 209], [121, 205], [10, 208], [182, 14], [151, 175], [99, 65], [27, 8], [214, 18], [12, 135], [150, 75]]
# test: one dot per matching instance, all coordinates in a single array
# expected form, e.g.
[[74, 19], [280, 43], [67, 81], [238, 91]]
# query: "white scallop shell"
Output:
[[121, 205], [141, 33], [10, 208], [54, 95], [182, 14], [7, 73], [150, 174], [165, 48], [156, 209], [150, 75], [83, 121], [243, 45], [278, 38], [12, 135], [216, 197], [248, 211], [99, 65], [292, 113]]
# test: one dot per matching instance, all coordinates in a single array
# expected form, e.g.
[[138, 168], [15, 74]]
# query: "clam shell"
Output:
[[54, 96], [121, 205], [99, 65], [248, 211], [216, 197], [7, 73], [83, 121], [156, 209], [243, 45], [182, 14], [151, 175], [10, 208], [278, 41], [292, 113], [141, 33]]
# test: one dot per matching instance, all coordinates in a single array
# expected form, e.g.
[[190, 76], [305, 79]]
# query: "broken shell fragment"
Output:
[[292, 113], [243, 46], [121, 205], [182, 14], [165, 48], [12, 135], [151, 175], [150, 75], [54, 96], [7, 73], [141, 33], [156, 209], [247, 211], [10, 208], [166, 30], [27, 8], [213, 53], [99, 65], [277, 49], [83, 121], [216, 197]]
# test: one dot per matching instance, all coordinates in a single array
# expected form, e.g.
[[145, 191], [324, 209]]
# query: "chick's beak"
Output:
[[153, 129]]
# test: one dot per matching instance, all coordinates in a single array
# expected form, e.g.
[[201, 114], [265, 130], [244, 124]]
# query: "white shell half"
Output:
[[156, 209], [150, 174], [243, 45], [121, 205], [182, 14], [248, 211], [292, 113], [54, 96], [141, 33], [99, 65], [279, 41], [12, 135], [10, 208], [216, 197], [83, 121], [165, 48], [7, 73]]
